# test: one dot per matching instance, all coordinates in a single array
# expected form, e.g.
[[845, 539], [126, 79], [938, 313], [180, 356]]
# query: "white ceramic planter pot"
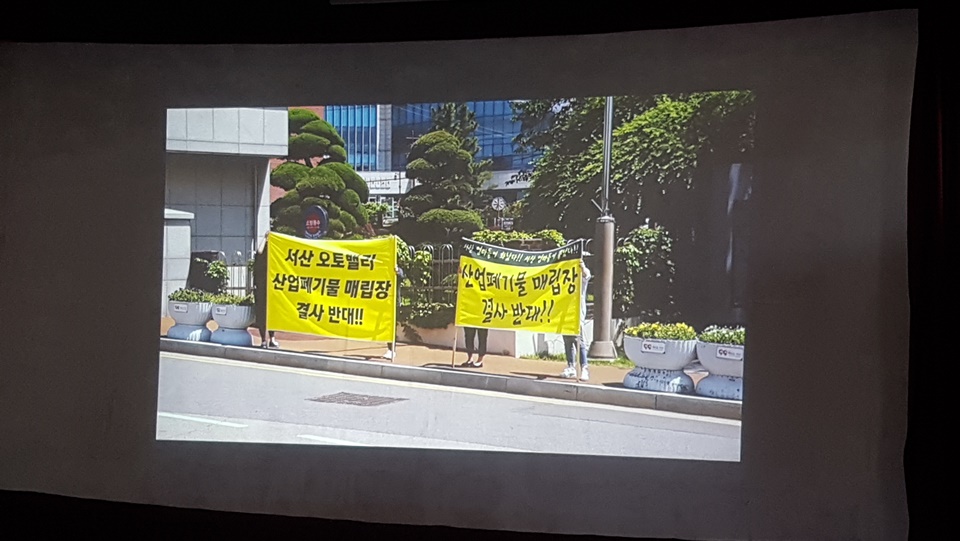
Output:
[[721, 359], [661, 381], [660, 354], [232, 316], [190, 313], [232, 337], [193, 333], [724, 387]]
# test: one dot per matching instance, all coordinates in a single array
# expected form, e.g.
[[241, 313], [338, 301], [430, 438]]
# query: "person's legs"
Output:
[[570, 351], [261, 317], [584, 369], [469, 335], [482, 335]]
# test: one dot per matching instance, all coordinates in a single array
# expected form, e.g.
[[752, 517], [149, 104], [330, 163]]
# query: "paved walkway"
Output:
[[430, 356]]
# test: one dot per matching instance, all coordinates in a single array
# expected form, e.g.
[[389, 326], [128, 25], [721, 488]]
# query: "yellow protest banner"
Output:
[[500, 288], [336, 288]]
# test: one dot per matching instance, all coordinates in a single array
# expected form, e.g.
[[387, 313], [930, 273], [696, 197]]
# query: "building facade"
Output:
[[218, 178], [378, 139]]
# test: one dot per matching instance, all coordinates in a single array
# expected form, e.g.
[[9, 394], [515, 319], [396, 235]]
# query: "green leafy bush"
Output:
[[217, 272], [322, 128], [455, 223], [190, 295], [662, 331], [349, 222], [501, 238], [231, 299], [288, 174], [643, 274], [731, 336]]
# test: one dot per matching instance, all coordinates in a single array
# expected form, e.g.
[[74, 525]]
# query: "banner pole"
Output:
[[399, 299]]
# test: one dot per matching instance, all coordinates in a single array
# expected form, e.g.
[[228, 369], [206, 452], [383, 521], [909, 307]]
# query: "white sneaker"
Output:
[[584, 374], [569, 372], [274, 344], [389, 355]]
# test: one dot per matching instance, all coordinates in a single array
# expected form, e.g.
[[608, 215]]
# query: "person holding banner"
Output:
[[469, 334], [260, 279], [573, 343]]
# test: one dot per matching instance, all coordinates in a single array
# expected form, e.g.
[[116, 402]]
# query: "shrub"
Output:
[[433, 315], [501, 238], [323, 129], [190, 295], [337, 153], [348, 221], [351, 179], [662, 331], [218, 274], [454, 222], [231, 299], [349, 199], [288, 174], [307, 145], [298, 118], [643, 274], [731, 336]]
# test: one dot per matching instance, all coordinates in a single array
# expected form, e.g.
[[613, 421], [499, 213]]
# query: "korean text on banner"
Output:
[[336, 288], [500, 288]]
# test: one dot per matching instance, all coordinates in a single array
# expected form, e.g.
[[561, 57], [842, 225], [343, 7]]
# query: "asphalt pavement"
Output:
[[211, 399]]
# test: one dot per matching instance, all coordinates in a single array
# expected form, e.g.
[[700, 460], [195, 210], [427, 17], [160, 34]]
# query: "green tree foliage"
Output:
[[449, 178], [662, 147], [316, 173], [658, 145], [643, 275]]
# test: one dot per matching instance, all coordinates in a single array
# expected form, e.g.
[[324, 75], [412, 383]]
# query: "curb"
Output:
[[686, 404]]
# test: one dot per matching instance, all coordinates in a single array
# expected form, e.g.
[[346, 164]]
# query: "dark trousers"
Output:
[[469, 333]]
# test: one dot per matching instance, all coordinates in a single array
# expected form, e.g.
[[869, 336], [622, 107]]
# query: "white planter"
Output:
[[232, 316], [232, 337], [661, 381], [660, 354], [190, 313], [721, 359], [724, 387], [192, 333]]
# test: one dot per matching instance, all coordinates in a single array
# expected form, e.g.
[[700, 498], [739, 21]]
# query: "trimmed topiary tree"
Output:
[[316, 173]]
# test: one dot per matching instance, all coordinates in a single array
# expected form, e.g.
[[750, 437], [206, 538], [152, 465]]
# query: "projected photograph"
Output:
[[562, 276]]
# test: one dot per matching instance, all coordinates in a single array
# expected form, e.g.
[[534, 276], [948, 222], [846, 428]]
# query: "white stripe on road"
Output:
[[199, 420], [331, 441], [449, 389]]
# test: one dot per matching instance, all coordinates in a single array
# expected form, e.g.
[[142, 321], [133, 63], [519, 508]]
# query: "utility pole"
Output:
[[602, 346]]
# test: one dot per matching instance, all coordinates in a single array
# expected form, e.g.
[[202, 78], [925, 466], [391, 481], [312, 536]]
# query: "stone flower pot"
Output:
[[190, 313], [232, 323], [724, 363], [660, 364], [233, 316], [660, 354], [721, 359]]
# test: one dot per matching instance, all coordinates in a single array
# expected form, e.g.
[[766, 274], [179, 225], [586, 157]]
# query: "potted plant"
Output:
[[721, 350], [660, 351], [190, 309], [233, 314]]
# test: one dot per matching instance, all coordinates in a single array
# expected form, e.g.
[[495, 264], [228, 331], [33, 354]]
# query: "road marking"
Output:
[[332, 441], [451, 389], [199, 420]]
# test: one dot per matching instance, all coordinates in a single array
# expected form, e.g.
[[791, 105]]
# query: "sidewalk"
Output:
[[601, 374]]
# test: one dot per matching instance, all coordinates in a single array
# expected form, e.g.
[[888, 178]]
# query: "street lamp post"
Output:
[[602, 346]]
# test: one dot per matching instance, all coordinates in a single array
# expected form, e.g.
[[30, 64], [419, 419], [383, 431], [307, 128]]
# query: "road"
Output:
[[208, 399]]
